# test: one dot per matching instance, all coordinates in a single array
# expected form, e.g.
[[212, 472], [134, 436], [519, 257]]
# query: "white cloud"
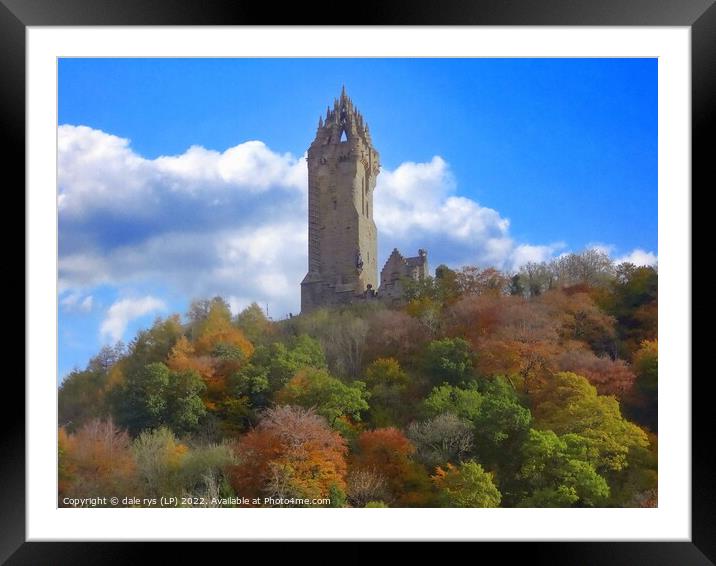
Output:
[[638, 257], [99, 171], [74, 301], [122, 312], [234, 223], [416, 206]]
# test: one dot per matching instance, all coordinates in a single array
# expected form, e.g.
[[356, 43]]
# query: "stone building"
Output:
[[398, 268], [342, 238]]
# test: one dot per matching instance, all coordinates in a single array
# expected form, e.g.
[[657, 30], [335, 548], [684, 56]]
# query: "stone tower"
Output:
[[342, 237]]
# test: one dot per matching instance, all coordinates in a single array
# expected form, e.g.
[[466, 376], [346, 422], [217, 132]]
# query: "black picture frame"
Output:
[[699, 15]]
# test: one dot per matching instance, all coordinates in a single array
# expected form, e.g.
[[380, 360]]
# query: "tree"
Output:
[[449, 360], [610, 377], [330, 397], [500, 426], [153, 345], [387, 386], [581, 319], [394, 334], [156, 396], [253, 323], [141, 401], [591, 267], [568, 403], [387, 452], [556, 472], [216, 329], [279, 362], [444, 438], [633, 300], [646, 364], [365, 486], [159, 458], [463, 402], [81, 397], [203, 471], [292, 452], [643, 404], [466, 485], [472, 280], [184, 405], [96, 461]]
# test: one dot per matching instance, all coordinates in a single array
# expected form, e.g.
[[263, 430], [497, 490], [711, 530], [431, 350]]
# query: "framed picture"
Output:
[[140, 132]]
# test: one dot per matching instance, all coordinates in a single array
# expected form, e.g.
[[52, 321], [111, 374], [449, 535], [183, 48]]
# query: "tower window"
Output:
[[344, 137]]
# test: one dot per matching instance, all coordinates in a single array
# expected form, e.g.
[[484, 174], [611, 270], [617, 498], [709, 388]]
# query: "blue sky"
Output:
[[183, 178]]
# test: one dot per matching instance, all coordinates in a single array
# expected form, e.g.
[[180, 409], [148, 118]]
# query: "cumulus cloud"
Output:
[[234, 223], [124, 311], [638, 257], [98, 171], [416, 205]]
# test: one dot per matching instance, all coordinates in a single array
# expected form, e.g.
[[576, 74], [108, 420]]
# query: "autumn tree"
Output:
[[472, 280], [96, 461], [394, 334], [216, 330], [365, 486], [387, 452], [204, 472], [466, 485], [291, 453], [610, 377]]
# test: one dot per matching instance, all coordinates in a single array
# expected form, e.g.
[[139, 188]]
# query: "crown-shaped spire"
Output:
[[343, 120]]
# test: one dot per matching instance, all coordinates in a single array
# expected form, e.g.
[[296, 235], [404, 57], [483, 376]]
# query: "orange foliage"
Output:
[[217, 330], [291, 453], [387, 452], [394, 334], [96, 461], [610, 377]]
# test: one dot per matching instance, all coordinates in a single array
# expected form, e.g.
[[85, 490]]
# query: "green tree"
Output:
[[184, 405], [568, 403], [463, 402], [556, 472], [254, 324], [159, 458], [466, 485], [387, 384], [155, 396], [500, 426], [449, 360], [153, 345], [282, 361], [331, 397]]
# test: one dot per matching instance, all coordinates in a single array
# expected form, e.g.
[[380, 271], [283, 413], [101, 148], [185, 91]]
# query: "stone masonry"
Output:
[[342, 238]]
